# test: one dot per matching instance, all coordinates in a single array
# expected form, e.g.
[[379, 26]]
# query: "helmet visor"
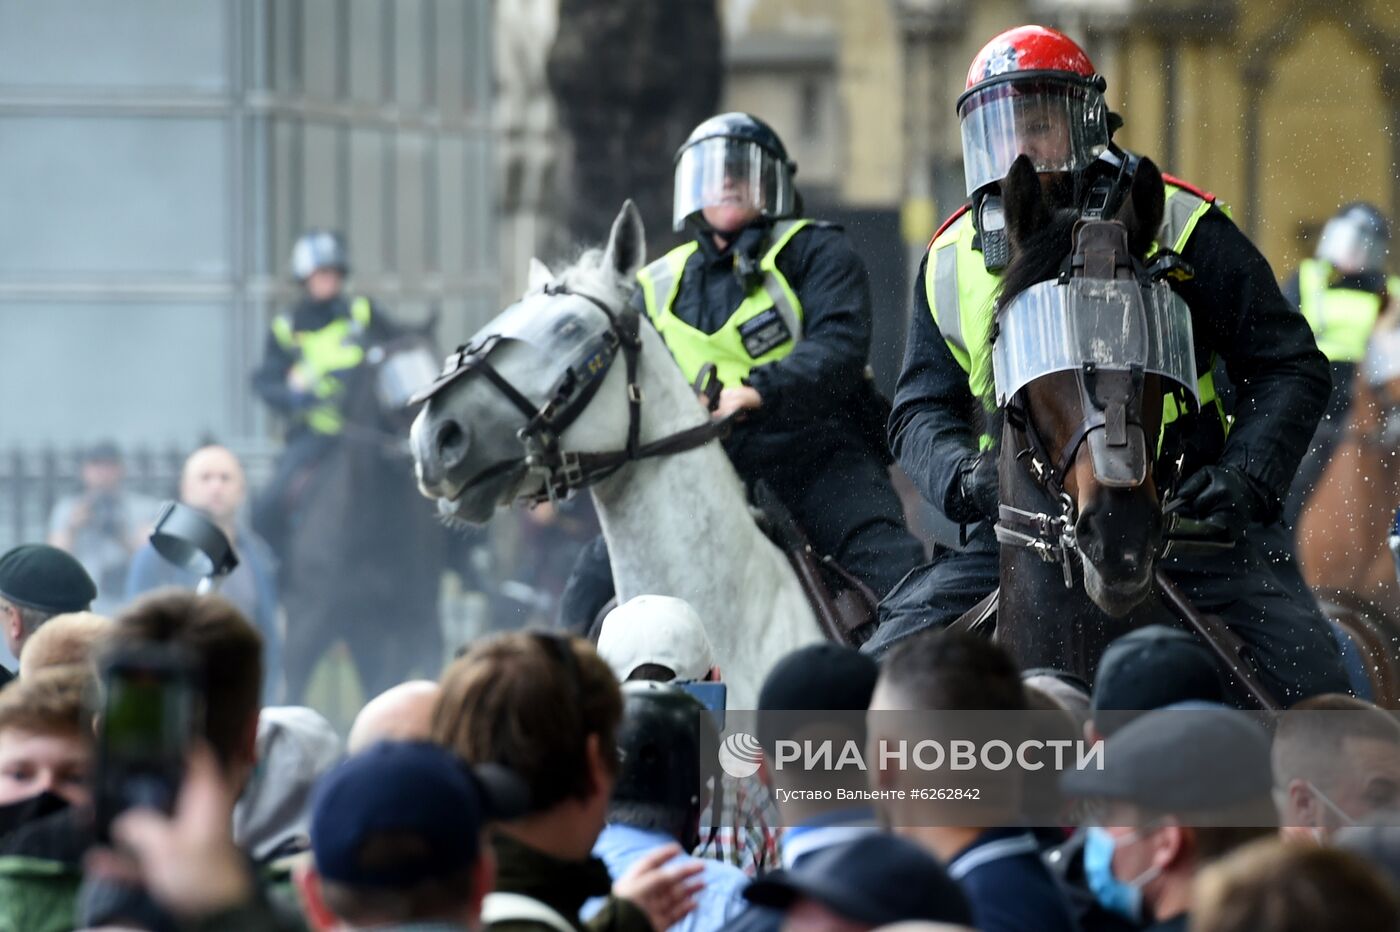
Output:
[[1063, 127], [724, 171], [1351, 246]]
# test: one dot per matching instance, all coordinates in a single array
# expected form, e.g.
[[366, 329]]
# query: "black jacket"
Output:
[[1281, 378], [816, 398], [270, 378], [563, 886]]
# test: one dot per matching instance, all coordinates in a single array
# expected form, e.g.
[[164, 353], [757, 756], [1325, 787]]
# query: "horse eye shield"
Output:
[[1103, 324], [1110, 332]]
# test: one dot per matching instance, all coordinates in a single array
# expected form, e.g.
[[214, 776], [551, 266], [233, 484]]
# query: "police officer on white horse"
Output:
[[780, 305]]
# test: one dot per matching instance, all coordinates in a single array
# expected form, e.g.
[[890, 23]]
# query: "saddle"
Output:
[[844, 606]]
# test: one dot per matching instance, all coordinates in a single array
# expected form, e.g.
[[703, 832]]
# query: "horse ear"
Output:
[[1142, 212], [1023, 201], [627, 243], [539, 276]]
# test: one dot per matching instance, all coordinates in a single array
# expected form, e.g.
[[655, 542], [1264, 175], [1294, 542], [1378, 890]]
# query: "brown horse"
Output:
[[1343, 528], [1344, 524], [1075, 452]]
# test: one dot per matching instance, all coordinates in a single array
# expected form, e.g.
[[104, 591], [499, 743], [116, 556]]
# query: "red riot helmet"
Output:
[[1033, 91]]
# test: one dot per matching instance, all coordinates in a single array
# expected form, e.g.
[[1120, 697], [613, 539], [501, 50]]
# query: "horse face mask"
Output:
[[1110, 331]]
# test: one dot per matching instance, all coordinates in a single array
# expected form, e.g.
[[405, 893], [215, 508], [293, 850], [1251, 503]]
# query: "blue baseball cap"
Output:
[[414, 791]]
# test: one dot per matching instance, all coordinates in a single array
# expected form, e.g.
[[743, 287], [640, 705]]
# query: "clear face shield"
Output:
[[724, 171], [1352, 246], [1062, 127]]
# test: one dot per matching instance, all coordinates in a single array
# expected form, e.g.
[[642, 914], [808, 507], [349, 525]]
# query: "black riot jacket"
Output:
[[1281, 378], [270, 378], [816, 398]]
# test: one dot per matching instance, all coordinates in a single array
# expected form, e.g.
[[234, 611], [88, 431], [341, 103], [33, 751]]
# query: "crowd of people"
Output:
[[545, 782], [551, 781]]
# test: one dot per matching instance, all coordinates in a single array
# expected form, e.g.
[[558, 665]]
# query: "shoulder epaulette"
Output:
[[949, 222], [1188, 186]]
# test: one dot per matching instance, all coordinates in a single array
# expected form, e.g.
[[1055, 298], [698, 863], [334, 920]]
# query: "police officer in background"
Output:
[[780, 305], [1342, 290], [1033, 91], [311, 351]]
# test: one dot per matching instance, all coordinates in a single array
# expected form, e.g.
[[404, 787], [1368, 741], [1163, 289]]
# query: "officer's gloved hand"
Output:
[[1223, 496], [979, 490]]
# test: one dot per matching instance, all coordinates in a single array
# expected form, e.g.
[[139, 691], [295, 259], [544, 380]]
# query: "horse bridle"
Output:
[[563, 472], [1051, 535]]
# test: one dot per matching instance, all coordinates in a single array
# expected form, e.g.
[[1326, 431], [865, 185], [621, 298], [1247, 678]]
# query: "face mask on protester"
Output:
[[1122, 897]]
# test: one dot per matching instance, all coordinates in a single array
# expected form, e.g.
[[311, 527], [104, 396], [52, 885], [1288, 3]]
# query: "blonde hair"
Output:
[[1274, 886], [62, 640], [55, 700]]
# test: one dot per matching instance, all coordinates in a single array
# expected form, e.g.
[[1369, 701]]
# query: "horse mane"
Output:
[[1038, 258], [592, 274]]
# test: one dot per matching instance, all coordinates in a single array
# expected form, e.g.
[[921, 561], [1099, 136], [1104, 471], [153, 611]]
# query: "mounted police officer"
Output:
[[1033, 91], [311, 352], [780, 305], [1342, 291]]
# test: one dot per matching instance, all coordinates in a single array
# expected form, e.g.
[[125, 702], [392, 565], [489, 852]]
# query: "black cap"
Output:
[[877, 879], [1190, 757], [45, 578], [1151, 668], [820, 676]]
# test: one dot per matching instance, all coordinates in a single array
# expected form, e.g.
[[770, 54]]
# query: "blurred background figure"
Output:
[[104, 524], [213, 482], [357, 545], [1342, 291], [310, 351]]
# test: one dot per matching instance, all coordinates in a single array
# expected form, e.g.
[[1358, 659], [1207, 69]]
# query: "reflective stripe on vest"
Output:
[[727, 347], [955, 278], [1341, 318], [323, 353]]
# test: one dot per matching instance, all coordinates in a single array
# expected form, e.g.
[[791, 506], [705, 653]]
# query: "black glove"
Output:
[[1223, 496], [979, 490]]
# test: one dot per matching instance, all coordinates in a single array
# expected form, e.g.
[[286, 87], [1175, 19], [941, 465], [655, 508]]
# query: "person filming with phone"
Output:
[[178, 671]]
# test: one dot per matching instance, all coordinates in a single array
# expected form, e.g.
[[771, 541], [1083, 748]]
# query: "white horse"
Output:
[[676, 522]]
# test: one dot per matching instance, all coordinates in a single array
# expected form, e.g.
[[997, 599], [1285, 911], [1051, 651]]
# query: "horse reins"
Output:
[[564, 472]]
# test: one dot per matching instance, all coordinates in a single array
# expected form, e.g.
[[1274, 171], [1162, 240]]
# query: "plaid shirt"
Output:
[[746, 834]]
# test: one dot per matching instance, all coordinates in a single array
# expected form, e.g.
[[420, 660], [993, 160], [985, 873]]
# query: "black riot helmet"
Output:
[[319, 249], [733, 158], [664, 729], [1356, 240]]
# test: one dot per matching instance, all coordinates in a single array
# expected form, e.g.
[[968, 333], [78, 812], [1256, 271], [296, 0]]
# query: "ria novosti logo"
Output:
[[740, 755]]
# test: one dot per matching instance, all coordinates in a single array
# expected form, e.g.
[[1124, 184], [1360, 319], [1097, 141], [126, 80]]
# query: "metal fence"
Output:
[[33, 480]]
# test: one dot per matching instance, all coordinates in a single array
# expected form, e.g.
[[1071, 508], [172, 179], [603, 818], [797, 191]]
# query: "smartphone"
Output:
[[712, 696], [152, 710]]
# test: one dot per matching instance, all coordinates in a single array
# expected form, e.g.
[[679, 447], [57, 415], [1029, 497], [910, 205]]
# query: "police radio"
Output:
[[991, 229]]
